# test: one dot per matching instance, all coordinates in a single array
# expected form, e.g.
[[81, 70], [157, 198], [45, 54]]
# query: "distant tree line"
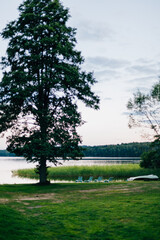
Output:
[[5, 153], [120, 150]]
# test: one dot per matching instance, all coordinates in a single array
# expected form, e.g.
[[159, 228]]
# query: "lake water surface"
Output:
[[8, 164]]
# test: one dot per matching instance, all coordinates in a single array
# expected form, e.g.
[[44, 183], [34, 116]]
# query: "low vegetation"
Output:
[[72, 172], [96, 211]]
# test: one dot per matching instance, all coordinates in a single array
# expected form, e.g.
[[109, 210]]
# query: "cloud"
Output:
[[126, 113], [133, 113], [144, 74], [144, 61], [141, 89], [143, 69], [144, 80], [144, 66], [143, 84], [104, 62], [107, 99], [87, 31], [105, 69], [105, 75]]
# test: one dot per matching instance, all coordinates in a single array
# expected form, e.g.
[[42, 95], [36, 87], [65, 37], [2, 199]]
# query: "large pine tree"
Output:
[[42, 81]]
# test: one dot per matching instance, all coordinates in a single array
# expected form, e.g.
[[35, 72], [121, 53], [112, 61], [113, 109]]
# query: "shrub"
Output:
[[151, 159]]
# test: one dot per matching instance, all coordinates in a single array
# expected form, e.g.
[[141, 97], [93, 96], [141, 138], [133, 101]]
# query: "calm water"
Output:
[[8, 164]]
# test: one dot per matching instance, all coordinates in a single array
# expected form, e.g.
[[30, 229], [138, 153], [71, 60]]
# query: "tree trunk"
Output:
[[43, 173]]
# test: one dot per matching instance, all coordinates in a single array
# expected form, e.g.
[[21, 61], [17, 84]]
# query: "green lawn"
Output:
[[100, 211]]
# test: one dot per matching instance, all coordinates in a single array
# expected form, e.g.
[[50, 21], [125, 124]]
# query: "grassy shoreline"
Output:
[[71, 173]]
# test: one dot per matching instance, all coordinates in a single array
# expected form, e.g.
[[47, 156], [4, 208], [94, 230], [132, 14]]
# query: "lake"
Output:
[[8, 164]]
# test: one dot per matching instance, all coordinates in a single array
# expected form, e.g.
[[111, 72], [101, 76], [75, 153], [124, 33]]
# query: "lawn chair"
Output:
[[108, 180], [80, 179], [89, 180], [99, 179]]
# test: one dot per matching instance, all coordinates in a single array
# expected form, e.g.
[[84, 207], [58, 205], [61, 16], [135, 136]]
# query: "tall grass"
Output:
[[72, 172]]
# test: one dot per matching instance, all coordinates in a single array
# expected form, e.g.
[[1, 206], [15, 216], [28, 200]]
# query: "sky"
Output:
[[120, 41]]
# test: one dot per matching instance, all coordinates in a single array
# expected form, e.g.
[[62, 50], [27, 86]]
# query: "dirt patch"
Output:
[[48, 196], [37, 197], [3, 200], [132, 187], [35, 207], [106, 189]]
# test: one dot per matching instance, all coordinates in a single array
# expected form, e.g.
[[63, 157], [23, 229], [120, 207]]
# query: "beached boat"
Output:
[[145, 177]]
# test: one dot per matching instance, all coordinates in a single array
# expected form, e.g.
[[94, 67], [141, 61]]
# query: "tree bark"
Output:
[[43, 173]]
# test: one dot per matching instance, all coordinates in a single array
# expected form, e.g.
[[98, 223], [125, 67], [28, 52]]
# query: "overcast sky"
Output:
[[120, 41]]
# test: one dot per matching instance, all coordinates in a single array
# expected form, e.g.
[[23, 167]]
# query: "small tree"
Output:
[[145, 112], [41, 84]]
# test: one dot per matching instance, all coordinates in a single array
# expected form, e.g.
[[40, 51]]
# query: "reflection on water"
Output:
[[88, 161], [8, 164]]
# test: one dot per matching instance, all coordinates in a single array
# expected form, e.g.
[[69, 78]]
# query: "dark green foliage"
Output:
[[42, 83], [151, 159], [118, 150]]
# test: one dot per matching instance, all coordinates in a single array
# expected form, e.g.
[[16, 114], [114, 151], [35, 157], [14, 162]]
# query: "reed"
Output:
[[72, 172]]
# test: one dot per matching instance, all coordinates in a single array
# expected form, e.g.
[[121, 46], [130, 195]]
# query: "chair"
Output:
[[99, 179], [89, 180], [108, 180], [80, 179]]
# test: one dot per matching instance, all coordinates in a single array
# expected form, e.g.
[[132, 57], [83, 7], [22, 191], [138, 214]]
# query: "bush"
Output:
[[151, 159]]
